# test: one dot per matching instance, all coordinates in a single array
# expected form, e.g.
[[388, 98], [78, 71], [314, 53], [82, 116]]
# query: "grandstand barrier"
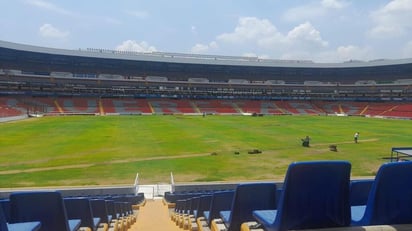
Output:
[[76, 191], [13, 118]]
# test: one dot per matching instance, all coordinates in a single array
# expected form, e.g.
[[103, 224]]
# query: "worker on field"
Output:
[[356, 137], [305, 141]]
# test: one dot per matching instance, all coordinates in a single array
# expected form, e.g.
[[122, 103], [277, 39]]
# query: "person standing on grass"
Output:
[[356, 137]]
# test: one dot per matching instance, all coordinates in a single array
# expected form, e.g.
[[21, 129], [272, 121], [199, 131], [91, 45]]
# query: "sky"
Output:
[[316, 30]]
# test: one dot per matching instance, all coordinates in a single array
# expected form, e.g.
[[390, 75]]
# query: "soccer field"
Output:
[[110, 150]]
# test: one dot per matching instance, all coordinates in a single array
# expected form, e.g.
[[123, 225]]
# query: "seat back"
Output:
[[390, 198], [46, 207], [99, 209], [359, 191], [186, 206], [111, 210], [315, 195], [80, 208], [5, 207], [194, 204], [204, 205], [123, 204], [179, 205], [249, 197], [3, 221], [220, 201]]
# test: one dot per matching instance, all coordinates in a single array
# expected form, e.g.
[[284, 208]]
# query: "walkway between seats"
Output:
[[154, 216]]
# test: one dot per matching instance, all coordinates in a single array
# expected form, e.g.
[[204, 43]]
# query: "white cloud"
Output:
[[313, 10], [249, 28], [48, 6], [200, 48], [204, 48], [259, 37], [263, 34], [392, 20], [132, 45], [49, 31], [306, 34]]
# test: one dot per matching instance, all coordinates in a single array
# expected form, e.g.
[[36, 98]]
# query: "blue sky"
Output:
[[317, 30]]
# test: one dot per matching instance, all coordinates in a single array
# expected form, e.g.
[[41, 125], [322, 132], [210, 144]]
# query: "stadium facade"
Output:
[[31, 71]]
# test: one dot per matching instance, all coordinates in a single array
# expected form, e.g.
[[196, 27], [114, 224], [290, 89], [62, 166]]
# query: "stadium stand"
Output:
[[172, 84], [38, 81], [17, 106]]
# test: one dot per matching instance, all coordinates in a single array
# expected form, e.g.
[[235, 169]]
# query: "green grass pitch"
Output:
[[110, 150]]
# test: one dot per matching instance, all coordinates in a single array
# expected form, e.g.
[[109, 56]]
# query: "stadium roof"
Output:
[[177, 66], [198, 59]]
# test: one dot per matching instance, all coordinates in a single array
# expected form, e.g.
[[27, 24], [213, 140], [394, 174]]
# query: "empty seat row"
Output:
[[319, 195], [314, 195], [48, 210]]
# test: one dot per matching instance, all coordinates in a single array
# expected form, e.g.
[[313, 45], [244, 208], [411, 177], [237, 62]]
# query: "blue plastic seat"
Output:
[[247, 198], [123, 204], [111, 210], [315, 195], [359, 191], [25, 226], [99, 209], [46, 207], [80, 208], [5, 206], [204, 205], [179, 205], [390, 198], [220, 201], [194, 204]]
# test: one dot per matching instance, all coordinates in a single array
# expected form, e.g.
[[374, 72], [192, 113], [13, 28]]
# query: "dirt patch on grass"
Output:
[[344, 142], [8, 172]]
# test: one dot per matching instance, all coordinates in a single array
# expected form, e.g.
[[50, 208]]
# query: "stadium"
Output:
[[36, 80], [44, 82]]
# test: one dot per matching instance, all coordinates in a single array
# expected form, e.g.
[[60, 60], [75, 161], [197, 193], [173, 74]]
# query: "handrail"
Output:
[[172, 181], [136, 183]]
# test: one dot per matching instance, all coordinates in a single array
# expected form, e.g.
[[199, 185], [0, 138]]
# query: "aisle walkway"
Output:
[[154, 216]]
